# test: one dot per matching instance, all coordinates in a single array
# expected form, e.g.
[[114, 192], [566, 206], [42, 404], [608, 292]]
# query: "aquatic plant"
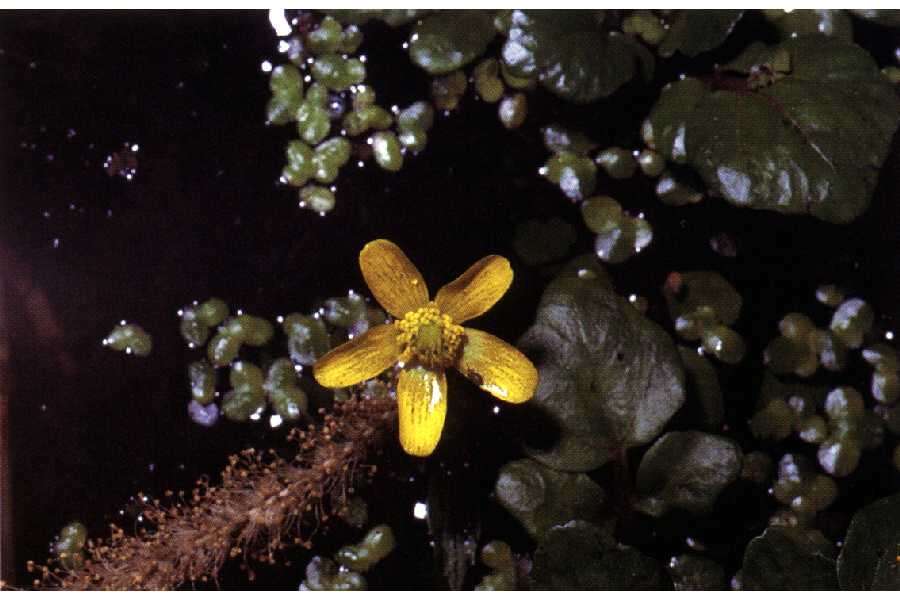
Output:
[[427, 338], [634, 429], [263, 504]]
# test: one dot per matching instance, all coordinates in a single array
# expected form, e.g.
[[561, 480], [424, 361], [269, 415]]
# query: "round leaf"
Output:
[[448, 40], [804, 131], [610, 379], [868, 558], [789, 558], [687, 470]]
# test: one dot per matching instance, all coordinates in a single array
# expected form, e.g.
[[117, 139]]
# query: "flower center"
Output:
[[429, 337]]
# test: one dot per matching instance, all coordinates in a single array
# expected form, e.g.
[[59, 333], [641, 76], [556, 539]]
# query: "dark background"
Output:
[[204, 216]]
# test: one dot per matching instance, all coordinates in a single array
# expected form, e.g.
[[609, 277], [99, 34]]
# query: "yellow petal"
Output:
[[497, 368], [363, 357], [392, 278], [475, 291], [422, 405]]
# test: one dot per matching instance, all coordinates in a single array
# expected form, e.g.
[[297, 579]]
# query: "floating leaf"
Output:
[[513, 110], [852, 320], [868, 557], [808, 139], [789, 558], [839, 454], [575, 175], [686, 470], [129, 338], [323, 575], [703, 379], [202, 378], [704, 288], [800, 487], [540, 497], [450, 39], [581, 556], [558, 139], [694, 31], [572, 54], [610, 378], [831, 22], [645, 24], [374, 547], [617, 162], [652, 165], [393, 17]]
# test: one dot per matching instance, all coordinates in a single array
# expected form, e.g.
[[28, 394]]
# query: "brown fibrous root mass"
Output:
[[263, 504]]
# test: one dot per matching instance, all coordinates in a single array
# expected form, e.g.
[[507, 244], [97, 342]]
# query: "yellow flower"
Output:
[[426, 339]]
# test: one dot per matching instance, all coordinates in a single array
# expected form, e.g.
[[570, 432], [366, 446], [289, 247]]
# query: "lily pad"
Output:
[[448, 40], [789, 558], [692, 32], [698, 289], [581, 556], [572, 54], [610, 378], [801, 127], [868, 558], [540, 497], [686, 470]]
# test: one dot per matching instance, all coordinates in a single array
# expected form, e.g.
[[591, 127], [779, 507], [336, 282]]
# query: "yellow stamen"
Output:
[[429, 338]]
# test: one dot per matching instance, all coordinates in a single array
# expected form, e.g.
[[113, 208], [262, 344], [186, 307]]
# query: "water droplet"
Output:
[[420, 510]]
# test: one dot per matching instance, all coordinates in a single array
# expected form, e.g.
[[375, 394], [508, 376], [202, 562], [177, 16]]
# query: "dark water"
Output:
[[203, 215]]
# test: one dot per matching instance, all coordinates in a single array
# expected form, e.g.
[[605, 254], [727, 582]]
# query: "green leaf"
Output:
[[868, 558], [704, 289], [448, 40], [789, 558], [581, 556], [831, 22], [572, 54], [800, 487], [692, 32], [686, 470], [393, 17], [540, 497], [705, 383], [559, 139], [610, 379], [804, 132]]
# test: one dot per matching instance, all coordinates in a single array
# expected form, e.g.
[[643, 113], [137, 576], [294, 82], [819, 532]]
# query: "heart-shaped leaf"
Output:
[[868, 559], [687, 470], [801, 127], [581, 556], [789, 558], [610, 378], [694, 31], [572, 54], [540, 497]]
